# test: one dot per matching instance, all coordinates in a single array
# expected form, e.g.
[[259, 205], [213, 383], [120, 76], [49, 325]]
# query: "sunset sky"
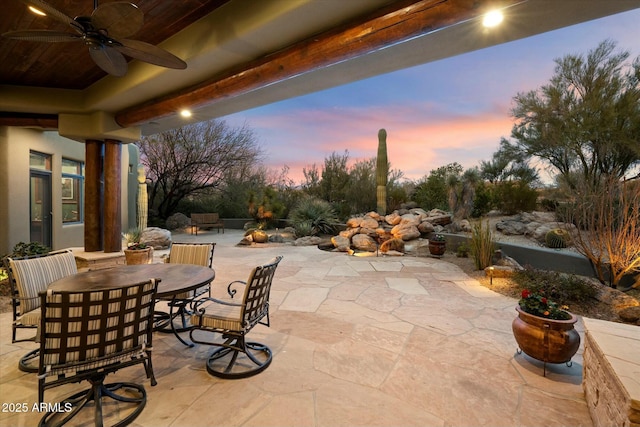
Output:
[[453, 110]]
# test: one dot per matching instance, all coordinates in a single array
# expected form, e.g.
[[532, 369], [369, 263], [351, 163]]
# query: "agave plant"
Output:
[[317, 212]]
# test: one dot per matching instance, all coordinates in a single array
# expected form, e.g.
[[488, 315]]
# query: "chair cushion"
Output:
[[190, 254], [190, 294], [32, 276], [219, 316], [31, 318]]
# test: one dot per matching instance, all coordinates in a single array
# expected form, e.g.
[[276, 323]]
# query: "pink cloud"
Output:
[[418, 141]]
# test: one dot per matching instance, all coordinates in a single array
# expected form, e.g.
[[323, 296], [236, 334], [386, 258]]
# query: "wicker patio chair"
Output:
[[87, 335], [28, 276], [233, 321], [179, 305]]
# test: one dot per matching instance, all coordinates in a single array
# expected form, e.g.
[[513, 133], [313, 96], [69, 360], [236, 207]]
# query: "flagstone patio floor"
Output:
[[357, 341]]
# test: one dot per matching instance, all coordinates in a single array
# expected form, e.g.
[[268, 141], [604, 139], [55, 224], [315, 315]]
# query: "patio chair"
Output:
[[28, 276], [184, 253], [233, 321], [89, 334]]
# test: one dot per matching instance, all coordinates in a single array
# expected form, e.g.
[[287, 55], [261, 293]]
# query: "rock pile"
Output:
[[372, 232], [534, 225]]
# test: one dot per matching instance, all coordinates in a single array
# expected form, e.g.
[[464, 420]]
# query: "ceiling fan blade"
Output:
[[42, 36], [109, 59], [118, 20], [149, 53], [51, 11]]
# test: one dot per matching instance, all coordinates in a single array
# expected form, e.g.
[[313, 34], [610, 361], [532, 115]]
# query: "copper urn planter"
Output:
[[547, 340], [437, 247]]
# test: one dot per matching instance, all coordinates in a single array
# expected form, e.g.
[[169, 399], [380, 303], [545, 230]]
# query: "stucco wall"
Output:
[[15, 144]]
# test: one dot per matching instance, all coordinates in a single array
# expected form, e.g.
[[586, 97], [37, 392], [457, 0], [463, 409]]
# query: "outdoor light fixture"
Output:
[[185, 113], [491, 275], [492, 19]]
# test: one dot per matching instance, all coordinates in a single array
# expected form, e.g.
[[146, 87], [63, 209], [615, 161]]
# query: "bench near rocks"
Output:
[[206, 220]]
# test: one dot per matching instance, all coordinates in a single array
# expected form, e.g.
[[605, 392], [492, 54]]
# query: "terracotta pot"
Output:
[[437, 248], [138, 256], [548, 340]]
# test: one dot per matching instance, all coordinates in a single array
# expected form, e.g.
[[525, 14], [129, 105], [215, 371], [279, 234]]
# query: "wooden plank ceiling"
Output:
[[68, 65]]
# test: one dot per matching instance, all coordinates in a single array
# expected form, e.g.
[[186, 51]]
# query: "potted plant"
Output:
[[437, 245], [136, 252], [544, 330]]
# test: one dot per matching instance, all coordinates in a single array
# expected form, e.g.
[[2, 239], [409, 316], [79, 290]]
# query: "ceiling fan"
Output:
[[104, 32]]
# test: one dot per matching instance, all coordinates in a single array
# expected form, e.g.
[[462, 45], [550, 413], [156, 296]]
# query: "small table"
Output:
[[174, 279]]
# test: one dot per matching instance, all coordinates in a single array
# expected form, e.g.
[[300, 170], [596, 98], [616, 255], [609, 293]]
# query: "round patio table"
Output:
[[174, 279]]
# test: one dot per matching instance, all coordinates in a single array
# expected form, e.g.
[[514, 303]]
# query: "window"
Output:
[[39, 161], [72, 186]]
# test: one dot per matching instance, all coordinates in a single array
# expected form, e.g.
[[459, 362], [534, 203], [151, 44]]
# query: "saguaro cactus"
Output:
[[382, 170]]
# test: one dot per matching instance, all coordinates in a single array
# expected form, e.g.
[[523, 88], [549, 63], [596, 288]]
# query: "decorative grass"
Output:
[[482, 246]]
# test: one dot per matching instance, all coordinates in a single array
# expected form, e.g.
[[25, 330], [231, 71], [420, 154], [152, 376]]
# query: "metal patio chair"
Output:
[[87, 335], [28, 276], [233, 320], [179, 306]]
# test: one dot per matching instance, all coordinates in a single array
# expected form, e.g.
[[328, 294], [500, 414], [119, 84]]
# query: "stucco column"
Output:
[[112, 196], [93, 196]]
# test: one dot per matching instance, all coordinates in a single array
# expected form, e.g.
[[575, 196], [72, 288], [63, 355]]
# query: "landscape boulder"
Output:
[[363, 242], [157, 238], [178, 221]]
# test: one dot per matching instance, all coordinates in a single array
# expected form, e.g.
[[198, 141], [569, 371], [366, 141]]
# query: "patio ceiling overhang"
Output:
[[243, 54]]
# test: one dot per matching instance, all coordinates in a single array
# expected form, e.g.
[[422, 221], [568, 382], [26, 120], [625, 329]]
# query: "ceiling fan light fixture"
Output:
[[36, 11], [102, 32]]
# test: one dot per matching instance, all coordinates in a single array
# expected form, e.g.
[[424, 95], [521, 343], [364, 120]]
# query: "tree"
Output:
[[194, 159], [433, 191], [586, 122], [335, 177], [361, 191], [508, 163]]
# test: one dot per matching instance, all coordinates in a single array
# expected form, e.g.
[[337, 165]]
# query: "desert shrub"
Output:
[[549, 205], [557, 238], [482, 246], [513, 197], [560, 287], [32, 248], [303, 228], [483, 200], [316, 211], [462, 251], [607, 217]]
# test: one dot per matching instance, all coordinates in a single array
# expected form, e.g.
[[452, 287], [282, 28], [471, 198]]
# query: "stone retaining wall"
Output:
[[611, 373]]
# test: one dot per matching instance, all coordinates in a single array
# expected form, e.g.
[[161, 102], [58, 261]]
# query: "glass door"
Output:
[[40, 208]]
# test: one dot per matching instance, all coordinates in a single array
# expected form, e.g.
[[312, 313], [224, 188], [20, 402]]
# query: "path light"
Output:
[[491, 275], [185, 113], [492, 19]]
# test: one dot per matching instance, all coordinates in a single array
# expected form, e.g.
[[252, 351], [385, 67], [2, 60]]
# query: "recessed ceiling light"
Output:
[[185, 113], [37, 11], [492, 19]]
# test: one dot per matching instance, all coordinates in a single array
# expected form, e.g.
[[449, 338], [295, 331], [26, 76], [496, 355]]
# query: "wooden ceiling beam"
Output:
[[398, 22], [45, 121]]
